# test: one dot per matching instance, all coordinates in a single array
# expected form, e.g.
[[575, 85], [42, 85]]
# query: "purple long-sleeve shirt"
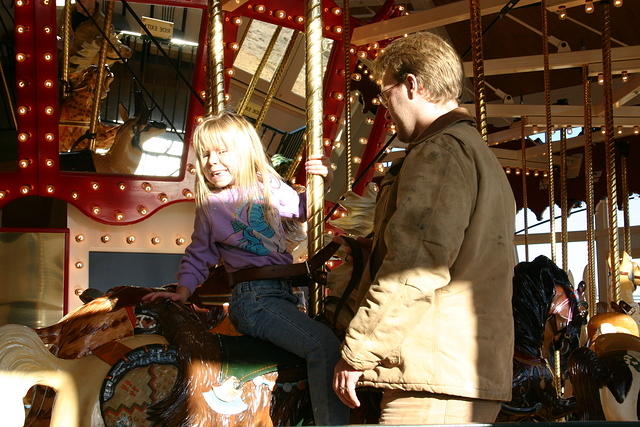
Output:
[[237, 234]]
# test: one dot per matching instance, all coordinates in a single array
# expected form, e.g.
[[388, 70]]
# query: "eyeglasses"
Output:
[[383, 97]]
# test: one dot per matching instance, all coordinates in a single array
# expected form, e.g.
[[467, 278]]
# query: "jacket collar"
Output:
[[456, 115]]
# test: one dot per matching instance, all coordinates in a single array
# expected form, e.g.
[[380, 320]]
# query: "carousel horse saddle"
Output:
[[246, 358]]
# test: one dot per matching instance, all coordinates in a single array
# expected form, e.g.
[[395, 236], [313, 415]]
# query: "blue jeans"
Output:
[[266, 309]]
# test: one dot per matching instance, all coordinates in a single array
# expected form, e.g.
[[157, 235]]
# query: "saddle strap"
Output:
[[283, 271], [356, 275], [111, 352]]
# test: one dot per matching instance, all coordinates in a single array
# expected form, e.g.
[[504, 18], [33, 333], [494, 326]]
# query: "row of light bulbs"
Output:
[[619, 129], [588, 8], [518, 171], [131, 239]]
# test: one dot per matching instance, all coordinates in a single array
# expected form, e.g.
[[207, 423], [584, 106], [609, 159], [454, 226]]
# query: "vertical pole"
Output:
[[315, 184]]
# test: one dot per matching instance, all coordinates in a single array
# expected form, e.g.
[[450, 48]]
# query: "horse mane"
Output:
[[199, 359], [533, 291]]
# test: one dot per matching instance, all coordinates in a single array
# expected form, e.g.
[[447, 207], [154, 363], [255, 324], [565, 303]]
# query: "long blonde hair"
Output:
[[253, 176]]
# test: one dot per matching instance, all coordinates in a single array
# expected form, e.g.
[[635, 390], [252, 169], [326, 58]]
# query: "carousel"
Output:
[[97, 184]]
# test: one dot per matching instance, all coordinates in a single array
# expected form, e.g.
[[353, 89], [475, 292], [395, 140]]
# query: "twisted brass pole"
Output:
[[95, 110], [315, 184], [478, 67], [525, 205], [66, 45], [610, 157], [244, 103], [564, 208], [624, 184], [346, 31], [215, 59], [549, 127], [588, 178], [276, 81]]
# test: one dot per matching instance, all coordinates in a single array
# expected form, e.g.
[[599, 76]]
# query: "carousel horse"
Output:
[[123, 142], [543, 298], [87, 39], [180, 374], [629, 281], [125, 153], [605, 374], [76, 110]]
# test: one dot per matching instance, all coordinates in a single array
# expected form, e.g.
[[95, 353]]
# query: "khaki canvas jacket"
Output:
[[437, 315]]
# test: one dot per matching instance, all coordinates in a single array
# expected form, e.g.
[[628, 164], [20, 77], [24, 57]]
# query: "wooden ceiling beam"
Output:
[[540, 151], [557, 61], [424, 20], [537, 112], [623, 94]]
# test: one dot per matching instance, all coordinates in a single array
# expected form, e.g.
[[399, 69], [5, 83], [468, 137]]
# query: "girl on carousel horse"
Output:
[[241, 203]]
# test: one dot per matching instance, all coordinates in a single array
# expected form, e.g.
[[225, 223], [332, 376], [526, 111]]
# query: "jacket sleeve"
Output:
[[434, 201], [199, 255]]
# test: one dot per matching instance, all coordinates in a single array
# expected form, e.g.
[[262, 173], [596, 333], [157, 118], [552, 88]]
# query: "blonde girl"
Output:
[[241, 202]]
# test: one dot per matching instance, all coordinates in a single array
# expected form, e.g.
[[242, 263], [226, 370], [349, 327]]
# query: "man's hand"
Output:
[[344, 383], [180, 295]]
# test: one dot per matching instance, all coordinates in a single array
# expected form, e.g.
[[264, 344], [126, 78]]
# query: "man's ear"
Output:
[[413, 88]]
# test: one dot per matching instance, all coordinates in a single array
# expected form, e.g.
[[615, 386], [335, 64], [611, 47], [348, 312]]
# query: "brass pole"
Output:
[[348, 153], [564, 205], [478, 67], [276, 81], [244, 102], [525, 205], [10, 102], [588, 178], [624, 184], [549, 128], [95, 111], [244, 35], [66, 46], [610, 157], [215, 60], [315, 184]]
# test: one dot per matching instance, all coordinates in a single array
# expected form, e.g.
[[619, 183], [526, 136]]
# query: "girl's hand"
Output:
[[180, 295], [320, 166]]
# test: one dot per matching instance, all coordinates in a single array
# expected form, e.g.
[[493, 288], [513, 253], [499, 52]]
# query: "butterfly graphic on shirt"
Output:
[[256, 236]]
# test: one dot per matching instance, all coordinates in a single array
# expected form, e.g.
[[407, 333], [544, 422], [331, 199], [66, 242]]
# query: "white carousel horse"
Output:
[[212, 380]]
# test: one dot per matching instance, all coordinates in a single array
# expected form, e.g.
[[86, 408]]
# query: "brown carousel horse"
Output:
[[162, 367]]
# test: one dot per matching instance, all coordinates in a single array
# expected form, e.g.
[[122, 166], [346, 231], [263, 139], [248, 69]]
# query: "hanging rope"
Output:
[[215, 59], [315, 184], [525, 205], [564, 206], [478, 67], [346, 31], [549, 128], [610, 157], [276, 81], [95, 110], [244, 103], [588, 180], [66, 46]]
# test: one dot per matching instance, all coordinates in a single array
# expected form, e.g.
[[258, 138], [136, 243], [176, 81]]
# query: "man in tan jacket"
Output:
[[435, 328]]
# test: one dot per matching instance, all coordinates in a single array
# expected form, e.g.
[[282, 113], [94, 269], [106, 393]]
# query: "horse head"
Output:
[[124, 155], [87, 39]]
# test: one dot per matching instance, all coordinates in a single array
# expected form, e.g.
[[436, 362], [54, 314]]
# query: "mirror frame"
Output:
[[117, 199]]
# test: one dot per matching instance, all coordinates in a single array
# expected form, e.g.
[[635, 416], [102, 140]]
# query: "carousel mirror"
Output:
[[8, 123], [138, 126]]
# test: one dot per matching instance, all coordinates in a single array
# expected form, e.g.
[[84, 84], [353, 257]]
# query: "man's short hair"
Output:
[[432, 60]]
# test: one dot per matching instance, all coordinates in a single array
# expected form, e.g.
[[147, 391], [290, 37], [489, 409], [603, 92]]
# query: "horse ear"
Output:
[[124, 114]]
